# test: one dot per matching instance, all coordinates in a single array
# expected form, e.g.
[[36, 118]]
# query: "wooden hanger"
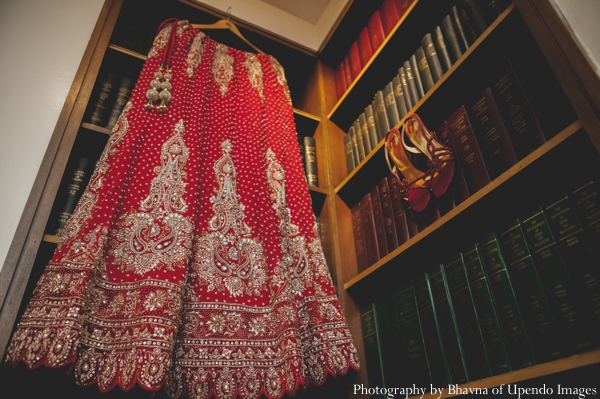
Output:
[[227, 24]]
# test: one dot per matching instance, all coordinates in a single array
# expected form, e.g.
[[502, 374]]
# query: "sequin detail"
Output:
[[222, 68], [255, 74], [194, 57]]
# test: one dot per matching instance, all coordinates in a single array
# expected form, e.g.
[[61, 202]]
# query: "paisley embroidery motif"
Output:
[[227, 257], [255, 75], [157, 236], [194, 57], [222, 67]]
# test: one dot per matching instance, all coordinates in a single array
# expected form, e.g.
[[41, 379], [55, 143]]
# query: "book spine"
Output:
[[467, 151], [389, 16], [530, 295], [432, 58], [122, 97], [460, 33], [384, 124], [399, 95], [575, 249], [586, 203], [365, 51], [410, 80], [362, 120], [400, 221], [369, 230], [475, 15], [347, 73], [393, 358], [571, 322], [376, 32], [74, 190], [509, 313], [359, 238], [354, 141], [522, 125], [423, 69], [411, 336], [441, 49], [101, 105], [387, 211], [492, 136], [458, 190], [447, 324], [467, 26], [417, 77], [407, 96], [371, 343], [340, 80], [379, 222], [434, 348], [354, 61], [310, 149], [360, 140], [371, 126], [391, 109], [451, 39], [474, 350], [380, 134], [349, 152], [485, 308]]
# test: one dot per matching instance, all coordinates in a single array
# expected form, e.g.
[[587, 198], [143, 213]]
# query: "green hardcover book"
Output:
[[417, 76], [354, 142], [570, 320], [487, 315], [399, 96], [384, 124], [393, 358], [360, 140], [509, 313], [458, 27], [373, 138], [441, 49], [447, 324], [389, 100], [474, 350], [582, 265], [347, 148], [411, 336], [451, 39], [371, 342], [364, 128], [586, 202], [434, 348], [423, 69], [534, 307]]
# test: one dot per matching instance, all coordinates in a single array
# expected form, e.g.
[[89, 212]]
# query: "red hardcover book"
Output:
[[354, 61], [376, 32], [369, 232], [359, 238], [347, 73], [405, 226], [379, 222], [340, 80], [387, 210], [402, 6], [365, 51], [389, 15]]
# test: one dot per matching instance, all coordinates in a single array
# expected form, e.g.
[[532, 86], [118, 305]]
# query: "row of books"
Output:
[[439, 50], [371, 37], [308, 153], [526, 295], [110, 102]]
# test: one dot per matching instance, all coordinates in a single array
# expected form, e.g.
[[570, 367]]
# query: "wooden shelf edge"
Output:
[[306, 114], [431, 91], [539, 370], [490, 187], [95, 128], [50, 238], [127, 51], [318, 190], [373, 58]]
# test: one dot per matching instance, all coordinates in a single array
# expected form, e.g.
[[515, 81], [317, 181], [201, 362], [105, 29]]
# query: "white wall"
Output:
[[41, 45]]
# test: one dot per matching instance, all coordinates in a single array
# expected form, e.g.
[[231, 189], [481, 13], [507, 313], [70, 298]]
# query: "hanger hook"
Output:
[[228, 12]]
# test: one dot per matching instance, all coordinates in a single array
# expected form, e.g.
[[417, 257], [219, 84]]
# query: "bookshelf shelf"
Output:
[[127, 51], [354, 284], [51, 238], [539, 370], [95, 128]]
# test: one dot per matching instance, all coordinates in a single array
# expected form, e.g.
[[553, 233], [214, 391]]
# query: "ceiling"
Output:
[[307, 23]]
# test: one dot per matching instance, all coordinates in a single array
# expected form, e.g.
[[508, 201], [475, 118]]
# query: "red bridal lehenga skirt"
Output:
[[192, 260]]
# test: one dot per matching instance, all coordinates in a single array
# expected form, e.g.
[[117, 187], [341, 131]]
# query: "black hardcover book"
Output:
[[415, 71], [407, 96], [451, 39], [100, 108], [393, 359], [399, 95], [372, 346], [432, 58], [460, 33], [441, 49], [123, 93], [310, 150], [509, 311], [467, 26], [476, 15], [410, 81], [74, 190], [423, 68], [400, 216], [586, 202], [373, 138], [391, 109]]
